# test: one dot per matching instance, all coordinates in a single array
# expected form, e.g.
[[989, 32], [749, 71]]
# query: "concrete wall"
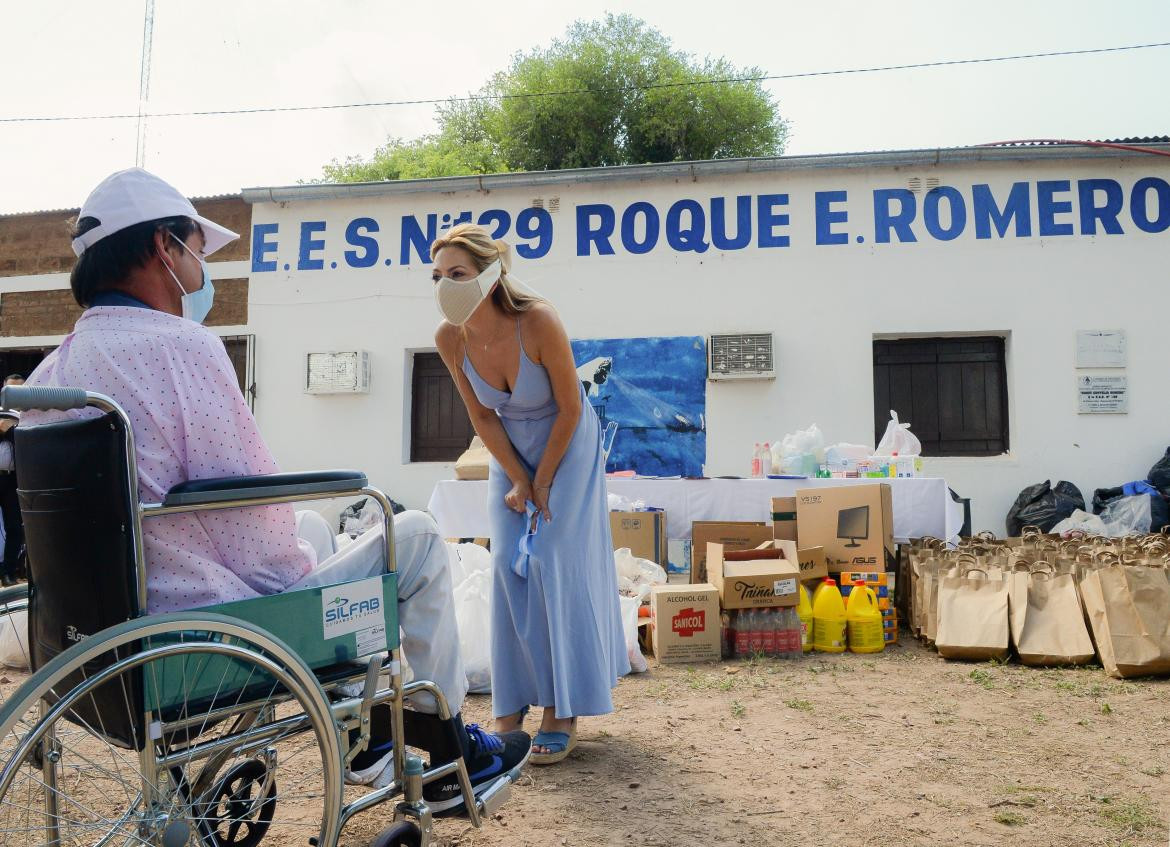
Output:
[[826, 302]]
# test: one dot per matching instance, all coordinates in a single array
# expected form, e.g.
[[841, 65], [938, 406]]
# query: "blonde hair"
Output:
[[484, 250]]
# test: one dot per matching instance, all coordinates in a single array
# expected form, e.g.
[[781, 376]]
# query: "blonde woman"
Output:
[[557, 637]]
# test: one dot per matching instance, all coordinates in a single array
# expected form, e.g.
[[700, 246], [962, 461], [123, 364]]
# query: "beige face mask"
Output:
[[458, 300]]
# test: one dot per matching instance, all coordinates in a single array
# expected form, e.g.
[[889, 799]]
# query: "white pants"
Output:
[[426, 608]]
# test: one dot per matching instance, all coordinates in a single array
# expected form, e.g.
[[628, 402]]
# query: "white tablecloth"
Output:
[[921, 506]]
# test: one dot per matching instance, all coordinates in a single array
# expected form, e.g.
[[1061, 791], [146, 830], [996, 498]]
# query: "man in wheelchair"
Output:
[[142, 279]]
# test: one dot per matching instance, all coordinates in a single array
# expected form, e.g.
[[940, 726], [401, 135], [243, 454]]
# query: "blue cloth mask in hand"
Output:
[[524, 549]]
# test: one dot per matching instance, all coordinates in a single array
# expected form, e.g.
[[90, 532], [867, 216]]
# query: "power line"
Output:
[[569, 92]]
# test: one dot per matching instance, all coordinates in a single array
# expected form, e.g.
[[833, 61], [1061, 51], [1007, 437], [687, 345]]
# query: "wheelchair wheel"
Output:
[[181, 729], [401, 834]]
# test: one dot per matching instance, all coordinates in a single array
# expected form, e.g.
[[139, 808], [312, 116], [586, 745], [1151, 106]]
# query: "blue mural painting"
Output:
[[651, 393]]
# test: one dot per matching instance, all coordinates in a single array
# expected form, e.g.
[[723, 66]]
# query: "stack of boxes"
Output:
[[844, 532]]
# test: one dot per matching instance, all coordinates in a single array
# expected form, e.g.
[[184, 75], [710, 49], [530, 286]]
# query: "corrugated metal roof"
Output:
[[690, 170], [70, 212], [1149, 139]]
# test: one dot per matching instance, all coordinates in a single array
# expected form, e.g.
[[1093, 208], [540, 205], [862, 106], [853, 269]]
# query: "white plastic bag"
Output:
[[1127, 515], [1081, 521], [838, 453], [898, 440], [471, 578], [802, 441], [636, 576], [14, 641], [473, 608], [629, 607], [798, 452]]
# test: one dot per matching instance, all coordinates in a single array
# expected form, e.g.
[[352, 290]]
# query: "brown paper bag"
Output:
[[473, 464], [1047, 625], [972, 616], [1129, 610]]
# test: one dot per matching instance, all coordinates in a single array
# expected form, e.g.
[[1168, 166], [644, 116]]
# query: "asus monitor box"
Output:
[[853, 523], [685, 623]]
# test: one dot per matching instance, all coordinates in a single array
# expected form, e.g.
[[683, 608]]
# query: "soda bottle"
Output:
[[726, 636], [767, 631], [743, 634], [766, 459], [795, 630], [757, 465], [756, 628]]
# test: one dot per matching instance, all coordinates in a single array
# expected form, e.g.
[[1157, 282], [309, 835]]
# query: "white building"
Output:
[[1016, 249]]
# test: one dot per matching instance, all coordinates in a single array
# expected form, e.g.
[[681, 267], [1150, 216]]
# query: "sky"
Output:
[[72, 57]]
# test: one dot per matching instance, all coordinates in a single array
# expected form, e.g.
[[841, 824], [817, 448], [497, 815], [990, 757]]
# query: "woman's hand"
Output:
[[540, 498], [518, 497]]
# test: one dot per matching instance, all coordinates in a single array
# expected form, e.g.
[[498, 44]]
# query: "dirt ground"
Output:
[[902, 748]]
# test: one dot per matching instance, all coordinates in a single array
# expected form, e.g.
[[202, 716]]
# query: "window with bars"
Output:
[[440, 429], [952, 391]]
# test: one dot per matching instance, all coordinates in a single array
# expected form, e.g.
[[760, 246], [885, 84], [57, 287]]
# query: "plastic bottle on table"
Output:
[[757, 466], [864, 620], [828, 618], [766, 459], [804, 615]]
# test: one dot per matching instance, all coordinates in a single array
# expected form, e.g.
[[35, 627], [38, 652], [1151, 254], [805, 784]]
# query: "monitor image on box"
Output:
[[853, 524]]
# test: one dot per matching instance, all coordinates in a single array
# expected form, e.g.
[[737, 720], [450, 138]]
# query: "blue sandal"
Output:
[[560, 745]]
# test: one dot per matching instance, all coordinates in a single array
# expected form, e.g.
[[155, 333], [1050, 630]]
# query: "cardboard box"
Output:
[[685, 623], [643, 532], [784, 518], [755, 583], [812, 561], [733, 535], [854, 523]]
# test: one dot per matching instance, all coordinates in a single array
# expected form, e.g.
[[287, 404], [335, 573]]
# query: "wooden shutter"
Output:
[[440, 429], [953, 392]]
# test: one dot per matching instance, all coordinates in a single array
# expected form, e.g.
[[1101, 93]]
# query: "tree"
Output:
[[611, 92]]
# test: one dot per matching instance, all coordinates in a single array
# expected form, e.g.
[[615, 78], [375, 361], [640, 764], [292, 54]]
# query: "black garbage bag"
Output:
[[1103, 496], [1159, 475], [1043, 505]]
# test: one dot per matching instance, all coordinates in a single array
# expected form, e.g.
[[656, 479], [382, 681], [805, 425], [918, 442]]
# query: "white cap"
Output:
[[134, 196]]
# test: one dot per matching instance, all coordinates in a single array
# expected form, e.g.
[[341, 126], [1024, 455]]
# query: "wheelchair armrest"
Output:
[[198, 492]]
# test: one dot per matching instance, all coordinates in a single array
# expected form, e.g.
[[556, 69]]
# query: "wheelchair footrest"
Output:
[[494, 797]]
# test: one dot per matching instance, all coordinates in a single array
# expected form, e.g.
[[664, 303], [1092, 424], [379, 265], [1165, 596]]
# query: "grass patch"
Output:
[[1040, 718], [1156, 770], [799, 705], [1132, 817], [982, 677], [737, 709], [1106, 709], [1008, 818]]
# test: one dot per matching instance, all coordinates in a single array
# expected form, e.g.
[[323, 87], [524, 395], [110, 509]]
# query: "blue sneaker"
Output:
[[489, 757]]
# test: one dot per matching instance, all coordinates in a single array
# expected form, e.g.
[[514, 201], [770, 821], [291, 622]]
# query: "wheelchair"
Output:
[[217, 727]]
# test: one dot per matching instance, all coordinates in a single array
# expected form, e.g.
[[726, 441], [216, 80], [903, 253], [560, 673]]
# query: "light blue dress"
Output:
[[556, 634]]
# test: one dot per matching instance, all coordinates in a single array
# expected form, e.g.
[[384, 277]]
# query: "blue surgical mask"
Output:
[[196, 304]]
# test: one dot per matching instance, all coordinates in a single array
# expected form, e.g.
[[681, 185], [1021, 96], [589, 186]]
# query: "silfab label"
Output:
[[351, 607]]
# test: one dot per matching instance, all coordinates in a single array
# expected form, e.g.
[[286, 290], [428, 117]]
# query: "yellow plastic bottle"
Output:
[[864, 620], [828, 618], [804, 611]]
